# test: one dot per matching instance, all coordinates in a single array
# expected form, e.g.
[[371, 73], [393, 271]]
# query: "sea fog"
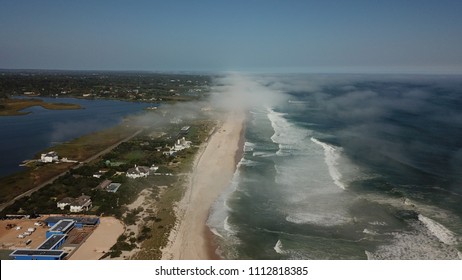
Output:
[[345, 167]]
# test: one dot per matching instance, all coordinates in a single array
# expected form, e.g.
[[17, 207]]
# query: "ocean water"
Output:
[[348, 167]]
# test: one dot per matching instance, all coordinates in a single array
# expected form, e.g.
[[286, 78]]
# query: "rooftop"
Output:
[[62, 226], [66, 200], [86, 220], [138, 169], [81, 200], [37, 252], [51, 241]]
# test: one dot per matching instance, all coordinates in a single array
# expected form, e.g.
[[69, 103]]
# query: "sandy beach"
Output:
[[213, 170], [102, 239]]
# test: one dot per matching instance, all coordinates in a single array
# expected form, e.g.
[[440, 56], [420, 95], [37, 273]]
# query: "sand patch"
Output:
[[102, 239]]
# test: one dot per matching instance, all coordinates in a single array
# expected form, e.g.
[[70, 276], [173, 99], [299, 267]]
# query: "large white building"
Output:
[[49, 157], [138, 172], [182, 144], [81, 203]]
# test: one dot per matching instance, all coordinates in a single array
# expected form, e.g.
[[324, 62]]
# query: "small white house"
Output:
[[49, 157], [138, 172]]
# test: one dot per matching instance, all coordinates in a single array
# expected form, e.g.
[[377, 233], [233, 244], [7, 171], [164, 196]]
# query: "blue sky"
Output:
[[253, 35]]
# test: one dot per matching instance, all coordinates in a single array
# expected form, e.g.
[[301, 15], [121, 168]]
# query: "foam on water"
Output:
[[248, 162], [278, 247], [368, 231], [228, 227], [215, 232], [262, 154], [418, 244], [377, 223], [438, 230], [331, 157], [218, 217], [321, 219], [285, 134], [248, 146]]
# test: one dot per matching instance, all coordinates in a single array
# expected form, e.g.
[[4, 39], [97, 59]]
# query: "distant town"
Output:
[[139, 86]]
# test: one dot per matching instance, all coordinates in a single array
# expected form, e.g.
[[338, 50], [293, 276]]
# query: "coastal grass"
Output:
[[156, 234], [26, 180], [13, 107], [86, 146]]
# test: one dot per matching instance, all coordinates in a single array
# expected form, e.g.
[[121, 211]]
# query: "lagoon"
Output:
[[24, 136]]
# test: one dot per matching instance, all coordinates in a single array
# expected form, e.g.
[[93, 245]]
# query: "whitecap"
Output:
[[248, 162], [262, 154], [278, 247], [328, 219], [378, 223], [370, 232], [286, 135], [331, 157], [248, 146], [438, 230]]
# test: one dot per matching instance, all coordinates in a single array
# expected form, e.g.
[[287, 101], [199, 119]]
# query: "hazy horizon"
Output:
[[418, 37]]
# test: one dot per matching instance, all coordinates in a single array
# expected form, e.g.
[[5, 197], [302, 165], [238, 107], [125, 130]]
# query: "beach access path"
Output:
[[212, 173]]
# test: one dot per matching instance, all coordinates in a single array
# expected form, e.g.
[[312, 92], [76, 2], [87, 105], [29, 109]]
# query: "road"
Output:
[[103, 152]]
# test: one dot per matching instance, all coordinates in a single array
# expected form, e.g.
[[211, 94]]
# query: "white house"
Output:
[[138, 172], [49, 157], [64, 202], [81, 203], [182, 144]]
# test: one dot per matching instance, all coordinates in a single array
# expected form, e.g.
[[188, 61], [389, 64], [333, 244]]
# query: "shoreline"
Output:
[[213, 169], [16, 107], [210, 237]]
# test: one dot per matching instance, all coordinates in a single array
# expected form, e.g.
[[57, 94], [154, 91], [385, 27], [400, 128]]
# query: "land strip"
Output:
[[14, 107], [211, 174]]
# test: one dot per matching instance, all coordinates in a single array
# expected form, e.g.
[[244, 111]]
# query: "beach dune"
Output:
[[212, 173]]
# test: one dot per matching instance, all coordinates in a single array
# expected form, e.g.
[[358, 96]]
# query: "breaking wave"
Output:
[[286, 135], [327, 219], [438, 230], [278, 247], [331, 157]]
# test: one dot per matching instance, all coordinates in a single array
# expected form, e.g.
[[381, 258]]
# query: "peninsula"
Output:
[[12, 107]]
